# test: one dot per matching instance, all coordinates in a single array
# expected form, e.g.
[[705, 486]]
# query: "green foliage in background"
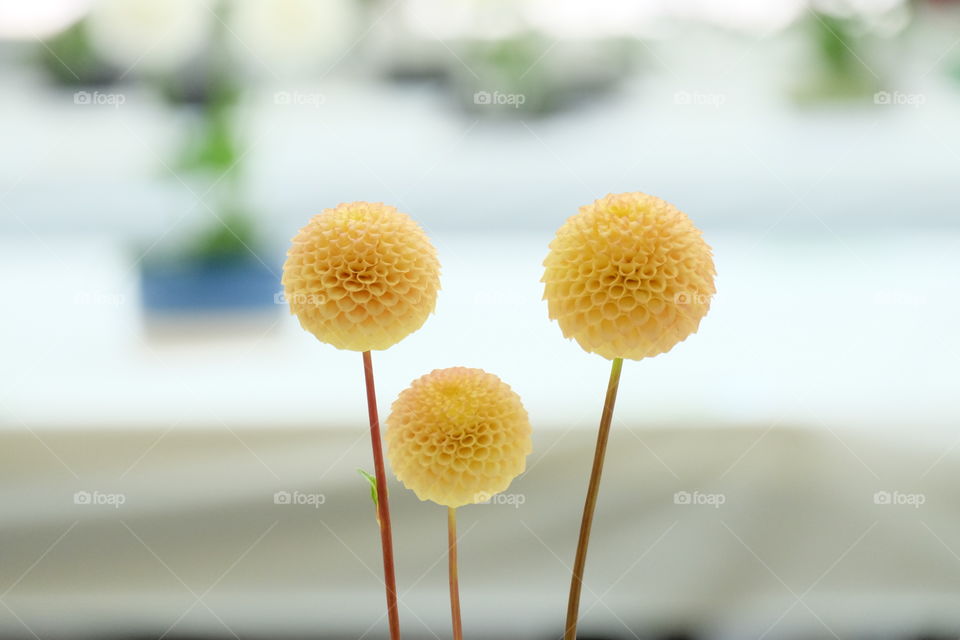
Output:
[[228, 239], [69, 60], [840, 72], [521, 66], [214, 148], [214, 153]]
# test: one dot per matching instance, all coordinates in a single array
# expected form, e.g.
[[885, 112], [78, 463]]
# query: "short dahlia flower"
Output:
[[361, 276], [457, 436], [629, 276]]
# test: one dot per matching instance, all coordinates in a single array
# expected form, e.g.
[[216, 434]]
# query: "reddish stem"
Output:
[[383, 505]]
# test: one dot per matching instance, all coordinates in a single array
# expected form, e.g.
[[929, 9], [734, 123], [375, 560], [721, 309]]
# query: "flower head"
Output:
[[361, 276], [456, 436], [629, 276]]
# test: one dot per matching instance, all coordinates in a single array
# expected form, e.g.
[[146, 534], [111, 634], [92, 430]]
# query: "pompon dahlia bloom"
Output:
[[361, 276], [457, 436], [629, 276]]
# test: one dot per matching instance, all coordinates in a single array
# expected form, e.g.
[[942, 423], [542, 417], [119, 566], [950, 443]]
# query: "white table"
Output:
[[824, 374]]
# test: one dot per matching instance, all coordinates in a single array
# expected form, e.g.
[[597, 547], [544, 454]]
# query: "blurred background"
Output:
[[179, 459]]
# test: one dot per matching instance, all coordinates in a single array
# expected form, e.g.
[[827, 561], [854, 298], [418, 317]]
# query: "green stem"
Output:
[[576, 582]]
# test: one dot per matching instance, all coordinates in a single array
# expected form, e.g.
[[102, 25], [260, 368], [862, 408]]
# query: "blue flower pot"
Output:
[[193, 286]]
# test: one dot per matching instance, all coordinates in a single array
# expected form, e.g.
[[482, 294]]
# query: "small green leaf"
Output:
[[373, 489]]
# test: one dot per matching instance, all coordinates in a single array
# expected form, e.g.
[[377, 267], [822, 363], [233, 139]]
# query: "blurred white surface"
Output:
[[813, 535], [851, 331], [740, 155], [823, 375]]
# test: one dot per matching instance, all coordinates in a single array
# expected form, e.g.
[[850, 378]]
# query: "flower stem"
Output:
[[576, 583], [454, 583], [383, 505]]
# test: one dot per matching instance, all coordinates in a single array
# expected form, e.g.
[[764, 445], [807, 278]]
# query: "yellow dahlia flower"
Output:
[[457, 436], [361, 276], [629, 276]]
